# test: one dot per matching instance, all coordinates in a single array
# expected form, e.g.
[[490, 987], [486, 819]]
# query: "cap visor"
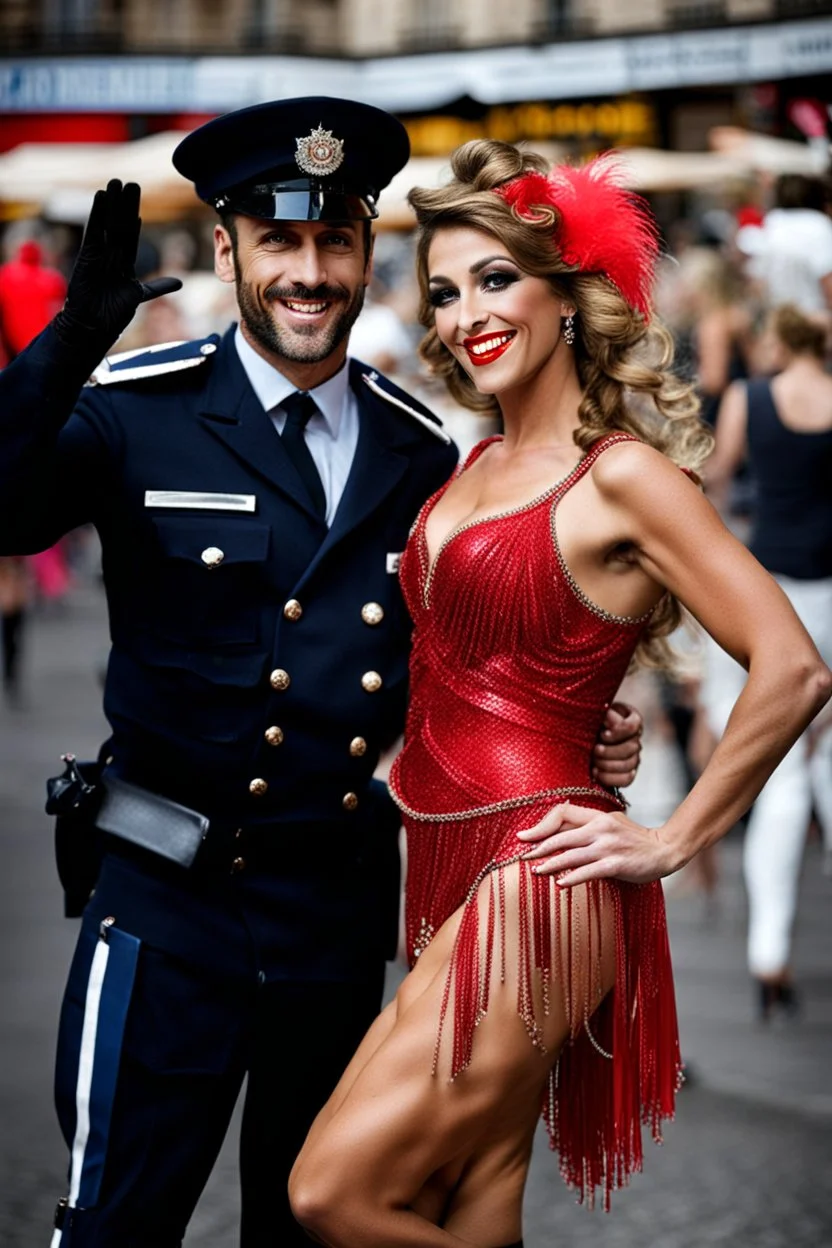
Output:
[[277, 204]]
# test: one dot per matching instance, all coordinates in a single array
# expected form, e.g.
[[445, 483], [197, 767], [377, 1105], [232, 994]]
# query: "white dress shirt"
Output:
[[331, 434]]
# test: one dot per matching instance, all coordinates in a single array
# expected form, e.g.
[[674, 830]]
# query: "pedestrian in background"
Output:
[[253, 494], [784, 426], [31, 292], [15, 590], [790, 254]]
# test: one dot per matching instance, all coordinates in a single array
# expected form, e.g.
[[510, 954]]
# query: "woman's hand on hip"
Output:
[[591, 844]]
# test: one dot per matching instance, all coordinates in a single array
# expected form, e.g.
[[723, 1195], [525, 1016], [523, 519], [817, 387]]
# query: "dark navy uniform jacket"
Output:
[[244, 680]]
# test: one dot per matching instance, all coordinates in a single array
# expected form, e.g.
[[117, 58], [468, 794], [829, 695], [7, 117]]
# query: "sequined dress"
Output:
[[511, 672]]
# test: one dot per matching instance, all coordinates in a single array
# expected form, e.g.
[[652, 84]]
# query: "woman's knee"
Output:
[[313, 1196]]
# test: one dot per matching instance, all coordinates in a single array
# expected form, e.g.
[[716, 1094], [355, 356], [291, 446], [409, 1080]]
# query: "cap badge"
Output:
[[319, 153]]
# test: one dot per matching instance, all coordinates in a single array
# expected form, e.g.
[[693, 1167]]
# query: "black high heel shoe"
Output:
[[776, 998]]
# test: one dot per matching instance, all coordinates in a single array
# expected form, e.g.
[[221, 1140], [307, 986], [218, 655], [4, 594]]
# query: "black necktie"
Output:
[[300, 408]]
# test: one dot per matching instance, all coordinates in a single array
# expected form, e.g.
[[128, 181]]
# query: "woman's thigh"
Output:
[[405, 1132]]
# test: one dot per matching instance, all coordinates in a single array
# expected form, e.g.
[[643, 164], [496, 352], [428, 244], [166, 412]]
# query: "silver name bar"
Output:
[[200, 500]]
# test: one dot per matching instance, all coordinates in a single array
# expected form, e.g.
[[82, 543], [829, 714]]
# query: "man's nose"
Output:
[[308, 267]]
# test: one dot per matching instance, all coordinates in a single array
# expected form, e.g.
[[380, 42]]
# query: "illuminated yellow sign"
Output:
[[616, 121]]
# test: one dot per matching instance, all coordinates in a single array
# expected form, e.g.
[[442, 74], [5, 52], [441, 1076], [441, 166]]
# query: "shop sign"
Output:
[[614, 121]]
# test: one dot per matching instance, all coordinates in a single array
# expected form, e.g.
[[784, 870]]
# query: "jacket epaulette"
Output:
[[166, 357], [385, 389]]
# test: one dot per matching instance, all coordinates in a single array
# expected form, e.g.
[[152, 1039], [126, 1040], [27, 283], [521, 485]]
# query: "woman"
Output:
[[784, 426], [540, 974], [720, 321]]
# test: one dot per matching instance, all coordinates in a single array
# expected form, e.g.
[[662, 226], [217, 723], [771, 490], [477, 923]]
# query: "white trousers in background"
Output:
[[776, 832]]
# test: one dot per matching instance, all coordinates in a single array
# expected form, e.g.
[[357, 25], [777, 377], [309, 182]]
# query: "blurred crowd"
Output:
[[746, 288]]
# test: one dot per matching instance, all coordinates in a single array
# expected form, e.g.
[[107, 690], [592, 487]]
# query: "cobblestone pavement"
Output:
[[748, 1163]]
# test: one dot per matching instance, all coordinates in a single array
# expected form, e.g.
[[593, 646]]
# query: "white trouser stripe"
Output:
[[56, 1238], [85, 1068]]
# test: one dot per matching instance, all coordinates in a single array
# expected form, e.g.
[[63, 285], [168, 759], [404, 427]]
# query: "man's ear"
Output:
[[224, 260]]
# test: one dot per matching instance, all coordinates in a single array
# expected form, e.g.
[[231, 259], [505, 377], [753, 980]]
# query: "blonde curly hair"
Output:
[[623, 361]]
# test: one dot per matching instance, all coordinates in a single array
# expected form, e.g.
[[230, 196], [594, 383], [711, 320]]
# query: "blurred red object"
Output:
[[31, 292], [809, 117], [749, 214]]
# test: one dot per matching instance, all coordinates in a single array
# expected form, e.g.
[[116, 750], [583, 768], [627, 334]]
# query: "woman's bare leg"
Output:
[[401, 1150]]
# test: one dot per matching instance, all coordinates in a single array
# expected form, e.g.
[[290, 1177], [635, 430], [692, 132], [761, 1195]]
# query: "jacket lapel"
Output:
[[232, 413], [377, 468]]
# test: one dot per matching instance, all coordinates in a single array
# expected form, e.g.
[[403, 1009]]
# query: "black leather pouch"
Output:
[[73, 798]]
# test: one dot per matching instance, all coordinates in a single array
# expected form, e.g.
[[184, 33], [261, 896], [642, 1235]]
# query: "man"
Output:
[[253, 494]]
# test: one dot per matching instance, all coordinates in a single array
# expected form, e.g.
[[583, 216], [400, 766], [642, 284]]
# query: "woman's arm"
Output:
[[731, 440], [713, 341], [683, 546]]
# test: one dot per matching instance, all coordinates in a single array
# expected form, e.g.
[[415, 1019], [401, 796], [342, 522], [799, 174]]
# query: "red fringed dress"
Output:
[[512, 670]]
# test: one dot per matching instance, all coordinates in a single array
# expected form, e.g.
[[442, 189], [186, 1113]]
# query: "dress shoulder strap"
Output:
[[474, 454], [762, 412], [597, 448]]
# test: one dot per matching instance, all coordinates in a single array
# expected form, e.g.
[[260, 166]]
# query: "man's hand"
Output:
[[597, 845], [104, 291], [616, 755]]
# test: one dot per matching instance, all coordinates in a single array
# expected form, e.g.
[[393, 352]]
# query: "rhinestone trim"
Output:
[[508, 803], [495, 515], [596, 1046], [602, 614]]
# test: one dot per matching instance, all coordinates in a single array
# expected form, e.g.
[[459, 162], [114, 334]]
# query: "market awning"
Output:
[[58, 180]]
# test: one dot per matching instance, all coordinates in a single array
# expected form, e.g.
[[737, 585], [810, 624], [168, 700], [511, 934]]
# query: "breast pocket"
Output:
[[212, 582]]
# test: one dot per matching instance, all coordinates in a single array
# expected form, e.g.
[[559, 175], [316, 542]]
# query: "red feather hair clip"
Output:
[[601, 227]]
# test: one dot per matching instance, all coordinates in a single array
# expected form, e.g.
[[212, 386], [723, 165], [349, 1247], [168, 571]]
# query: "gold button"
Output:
[[274, 735], [279, 679], [238, 865], [212, 556], [238, 834], [258, 787], [358, 746], [349, 801], [372, 613], [371, 681], [293, 610]]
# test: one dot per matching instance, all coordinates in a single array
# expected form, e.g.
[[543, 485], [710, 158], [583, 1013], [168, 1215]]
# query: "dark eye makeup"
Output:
[[490, 280]]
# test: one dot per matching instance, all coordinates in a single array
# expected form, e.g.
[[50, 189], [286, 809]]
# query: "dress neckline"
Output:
[[429, 564]]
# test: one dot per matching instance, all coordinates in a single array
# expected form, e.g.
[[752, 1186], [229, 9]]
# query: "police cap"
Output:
[[310, 159]]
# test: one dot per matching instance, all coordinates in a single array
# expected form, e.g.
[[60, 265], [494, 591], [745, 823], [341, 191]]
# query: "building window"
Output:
[[431, 27], [692, 13]]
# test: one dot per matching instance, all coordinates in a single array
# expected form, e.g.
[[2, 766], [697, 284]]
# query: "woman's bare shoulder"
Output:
[[623, 465], [643, 481]]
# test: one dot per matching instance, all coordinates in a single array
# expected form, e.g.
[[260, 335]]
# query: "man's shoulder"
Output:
[[364, 378], [152, 363]]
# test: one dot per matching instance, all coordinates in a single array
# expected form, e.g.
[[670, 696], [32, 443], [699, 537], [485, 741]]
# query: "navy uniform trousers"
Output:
[[153, 1048], [258, 667]]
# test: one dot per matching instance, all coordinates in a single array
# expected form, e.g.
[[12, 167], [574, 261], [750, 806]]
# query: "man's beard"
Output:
[[289, 344]]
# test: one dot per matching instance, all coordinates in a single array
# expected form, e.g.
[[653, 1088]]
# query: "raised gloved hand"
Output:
[[104, 292]]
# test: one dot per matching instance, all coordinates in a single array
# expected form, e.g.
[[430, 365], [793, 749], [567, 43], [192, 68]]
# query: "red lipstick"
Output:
[[485, 348]]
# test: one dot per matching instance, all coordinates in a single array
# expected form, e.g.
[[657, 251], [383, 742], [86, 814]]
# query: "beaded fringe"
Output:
[[621, 1067]]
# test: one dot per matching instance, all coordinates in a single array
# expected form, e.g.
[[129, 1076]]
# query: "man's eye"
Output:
[[439, 298], [339, 240], [275, 238]]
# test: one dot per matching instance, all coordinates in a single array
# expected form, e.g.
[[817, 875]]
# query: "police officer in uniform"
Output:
[[253, 493]]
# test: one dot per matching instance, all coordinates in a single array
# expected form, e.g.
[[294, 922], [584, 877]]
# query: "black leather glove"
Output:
[[104, 292]]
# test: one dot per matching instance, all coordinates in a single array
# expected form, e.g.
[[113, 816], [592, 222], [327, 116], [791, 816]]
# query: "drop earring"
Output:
[[568, 331]]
